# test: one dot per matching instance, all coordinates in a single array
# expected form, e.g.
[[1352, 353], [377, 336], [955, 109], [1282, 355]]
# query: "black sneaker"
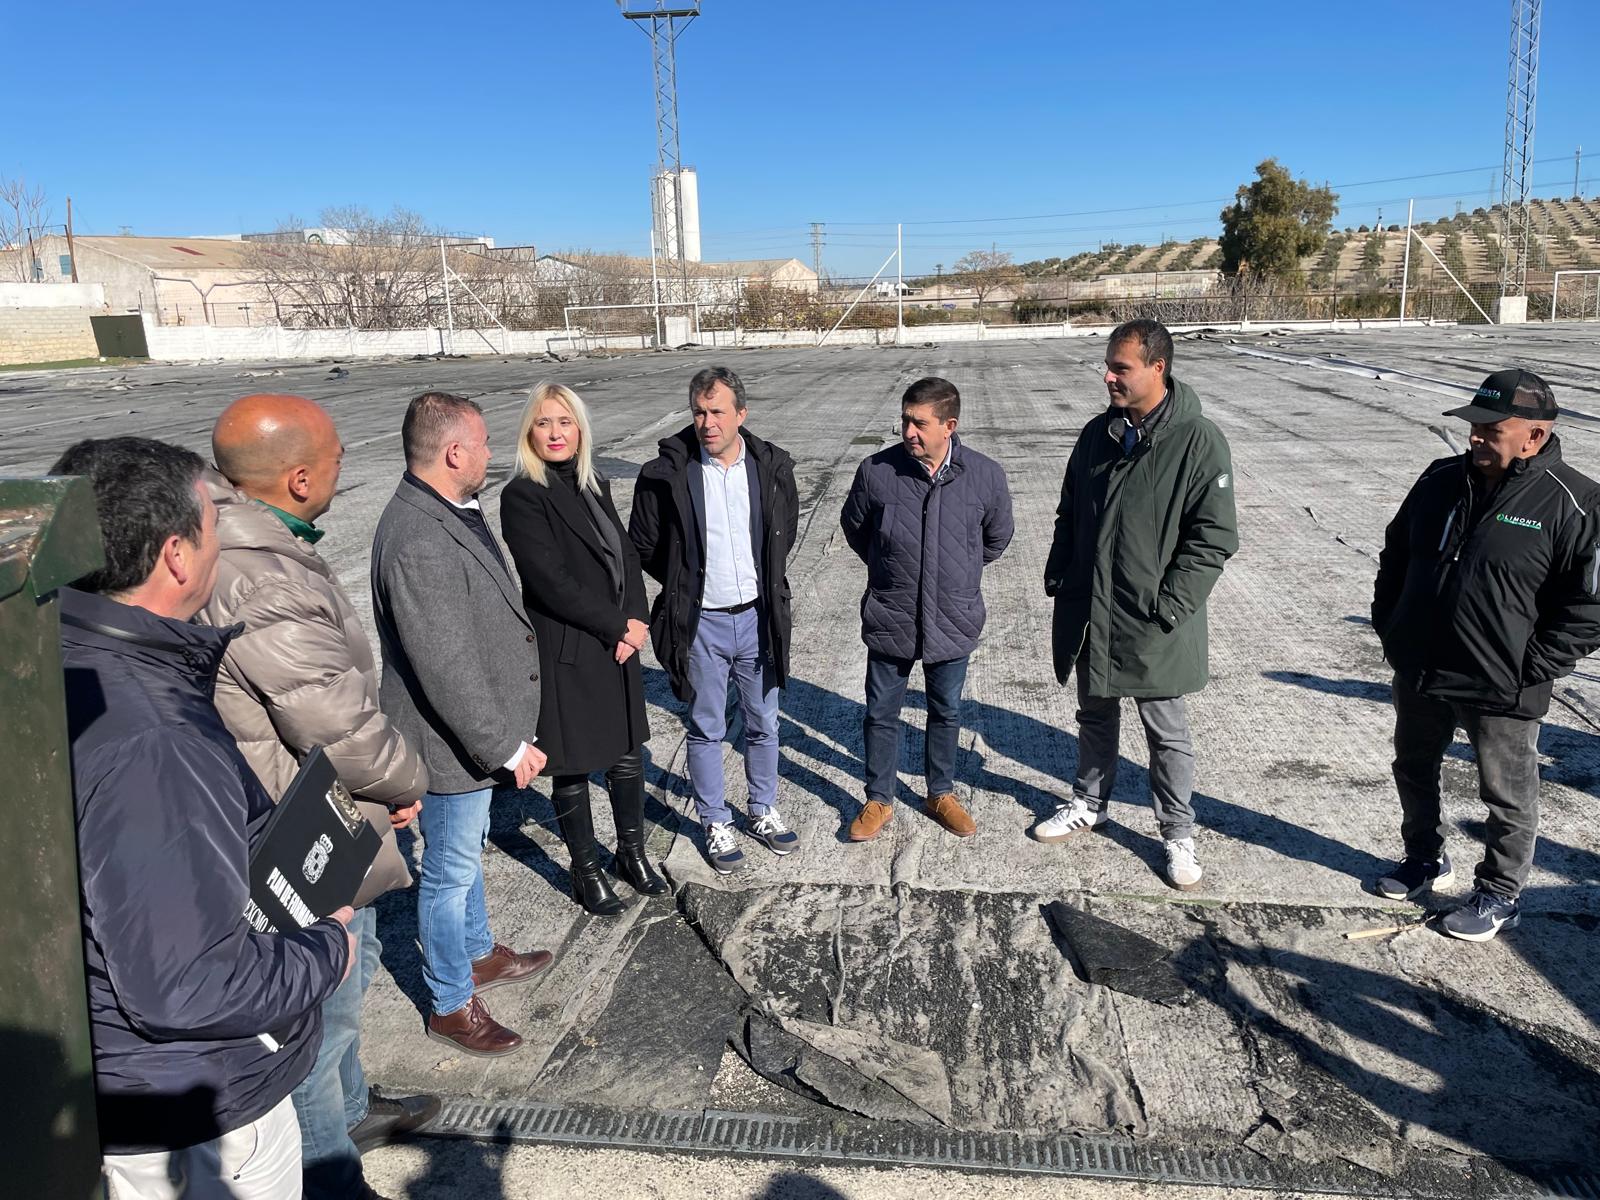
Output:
[[722, 850], [1415, 876], [1481, 917], [390, 1118]]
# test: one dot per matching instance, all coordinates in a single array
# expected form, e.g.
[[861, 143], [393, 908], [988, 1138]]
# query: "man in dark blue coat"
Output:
[[926, 516], [200, 1026]]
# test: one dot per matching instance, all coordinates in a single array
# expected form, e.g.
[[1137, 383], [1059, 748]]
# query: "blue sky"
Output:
[[532, 122]]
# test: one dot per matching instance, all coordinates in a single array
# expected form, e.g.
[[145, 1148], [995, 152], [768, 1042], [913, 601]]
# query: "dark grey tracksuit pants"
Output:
[[1507, 749], [1166, 731]]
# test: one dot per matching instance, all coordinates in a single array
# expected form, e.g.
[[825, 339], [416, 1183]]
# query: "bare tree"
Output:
[[765, 305], [586, 278], [367, 272], [24, 215], [983, 271]]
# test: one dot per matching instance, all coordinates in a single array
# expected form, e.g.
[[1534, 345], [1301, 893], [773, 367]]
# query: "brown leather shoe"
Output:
[[473, 1031], [504, 965], [946, 809], [870, 821]]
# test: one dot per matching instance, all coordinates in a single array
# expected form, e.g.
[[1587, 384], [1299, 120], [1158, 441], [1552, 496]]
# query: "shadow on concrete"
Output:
[[1015, 735], [1521, 1094], [1359, 689], [796, 1185], [1260, 828], [1052, 752], [397, 930], [457, 1169], [1572, 975]]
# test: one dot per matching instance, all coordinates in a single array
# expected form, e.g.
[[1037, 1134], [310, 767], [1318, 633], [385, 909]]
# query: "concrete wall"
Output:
[[36, 335], [263, 343], [52, 295], [266, 342], [127, 286], [1141, 283]]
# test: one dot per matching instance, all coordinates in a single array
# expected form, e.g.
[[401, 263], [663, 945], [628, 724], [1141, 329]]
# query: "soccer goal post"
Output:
[[1581, 299]]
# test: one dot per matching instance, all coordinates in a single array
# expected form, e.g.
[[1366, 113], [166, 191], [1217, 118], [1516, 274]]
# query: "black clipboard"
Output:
[[315, 851]]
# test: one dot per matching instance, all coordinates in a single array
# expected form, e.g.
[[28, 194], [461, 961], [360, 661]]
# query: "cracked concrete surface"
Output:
[[915, 978]]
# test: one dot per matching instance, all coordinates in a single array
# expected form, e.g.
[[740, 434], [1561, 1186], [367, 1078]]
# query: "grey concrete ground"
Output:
[[451, 1170], [914, 978]]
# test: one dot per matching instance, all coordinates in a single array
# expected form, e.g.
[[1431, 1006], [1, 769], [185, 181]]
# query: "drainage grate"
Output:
[[883, 1143]]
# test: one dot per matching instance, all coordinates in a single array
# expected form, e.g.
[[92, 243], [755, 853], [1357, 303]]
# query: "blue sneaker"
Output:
[[771, 832], [1415, 876], [1481, 917], [722, 850]]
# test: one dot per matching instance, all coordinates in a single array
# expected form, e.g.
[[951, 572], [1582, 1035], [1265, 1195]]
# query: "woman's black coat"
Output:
[[592, 711]]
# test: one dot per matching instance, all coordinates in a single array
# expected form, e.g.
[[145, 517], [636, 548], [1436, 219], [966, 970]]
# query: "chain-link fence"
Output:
[[1430, 295]]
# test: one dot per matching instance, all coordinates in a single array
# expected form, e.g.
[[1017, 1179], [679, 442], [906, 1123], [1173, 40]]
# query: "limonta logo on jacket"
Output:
[[1519, 522]]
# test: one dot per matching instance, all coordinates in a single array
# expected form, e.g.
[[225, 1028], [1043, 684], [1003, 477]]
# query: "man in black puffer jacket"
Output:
[[715, 515], [201, 1027], [1487, 593]]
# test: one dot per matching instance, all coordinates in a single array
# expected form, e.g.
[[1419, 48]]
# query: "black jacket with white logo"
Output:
[[1486, 601]]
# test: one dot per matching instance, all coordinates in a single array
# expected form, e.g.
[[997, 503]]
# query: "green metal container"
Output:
[[48, 537]]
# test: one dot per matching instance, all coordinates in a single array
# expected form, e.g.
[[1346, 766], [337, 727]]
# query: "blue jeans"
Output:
[[730, 644], [886, 696], [452, 916], [333, 1098]]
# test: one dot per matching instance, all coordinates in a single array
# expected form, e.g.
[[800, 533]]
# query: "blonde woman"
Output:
[[584, 591]]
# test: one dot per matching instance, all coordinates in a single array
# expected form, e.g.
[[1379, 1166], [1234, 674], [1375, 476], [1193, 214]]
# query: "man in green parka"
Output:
[[1145, 523]]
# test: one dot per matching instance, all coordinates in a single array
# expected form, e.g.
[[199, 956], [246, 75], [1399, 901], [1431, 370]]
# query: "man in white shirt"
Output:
[[715, 515]]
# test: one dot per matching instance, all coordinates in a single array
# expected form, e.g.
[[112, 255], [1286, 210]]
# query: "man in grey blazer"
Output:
[[460, 681]]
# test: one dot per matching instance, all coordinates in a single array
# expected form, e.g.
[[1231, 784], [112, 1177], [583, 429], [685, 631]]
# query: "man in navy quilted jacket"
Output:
[[926, 516]]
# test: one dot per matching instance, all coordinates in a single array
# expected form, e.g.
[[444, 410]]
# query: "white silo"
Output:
[[667, 200]]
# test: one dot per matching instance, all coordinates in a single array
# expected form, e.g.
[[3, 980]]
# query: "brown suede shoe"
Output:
[[870, 821], [946, 809], [473, 1031], [505, 965]]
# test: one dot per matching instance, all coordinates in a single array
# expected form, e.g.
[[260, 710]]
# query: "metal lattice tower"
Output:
[[1516, 180], [664, 24]]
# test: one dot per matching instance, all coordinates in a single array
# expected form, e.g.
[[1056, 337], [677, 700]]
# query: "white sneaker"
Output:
[[1183, 868], [1070, 819]]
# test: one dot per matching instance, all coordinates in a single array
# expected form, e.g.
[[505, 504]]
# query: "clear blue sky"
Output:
[[532, 121]]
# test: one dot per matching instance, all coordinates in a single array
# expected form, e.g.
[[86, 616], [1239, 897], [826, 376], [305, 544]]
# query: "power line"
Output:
[[1100, 212], [964, 239]]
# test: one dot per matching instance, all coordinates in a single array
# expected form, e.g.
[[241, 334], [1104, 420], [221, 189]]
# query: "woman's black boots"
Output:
[[626, 781], [590, 887]]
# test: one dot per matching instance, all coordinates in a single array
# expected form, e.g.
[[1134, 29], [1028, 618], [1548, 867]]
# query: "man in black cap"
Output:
[[1488, 591]]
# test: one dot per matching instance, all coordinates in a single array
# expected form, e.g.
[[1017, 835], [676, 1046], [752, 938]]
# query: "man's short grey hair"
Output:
[[708, 378], [432, 422]]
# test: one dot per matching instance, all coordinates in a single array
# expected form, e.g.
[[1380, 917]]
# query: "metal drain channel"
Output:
[[878, 1143]]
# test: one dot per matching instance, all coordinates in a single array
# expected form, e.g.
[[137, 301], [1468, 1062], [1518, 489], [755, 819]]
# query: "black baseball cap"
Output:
[[1509, 393]]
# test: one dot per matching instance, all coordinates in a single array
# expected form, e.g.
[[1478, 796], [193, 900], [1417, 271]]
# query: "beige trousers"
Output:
[[259, 1161]]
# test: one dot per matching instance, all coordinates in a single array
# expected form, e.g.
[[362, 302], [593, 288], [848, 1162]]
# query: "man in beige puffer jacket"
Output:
[[302, 674]]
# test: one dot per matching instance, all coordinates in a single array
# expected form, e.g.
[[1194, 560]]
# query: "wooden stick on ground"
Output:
[[1356, 935]]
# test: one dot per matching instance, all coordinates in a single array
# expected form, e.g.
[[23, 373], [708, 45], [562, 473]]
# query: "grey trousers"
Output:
[[1507, 749], [1166, 731]]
